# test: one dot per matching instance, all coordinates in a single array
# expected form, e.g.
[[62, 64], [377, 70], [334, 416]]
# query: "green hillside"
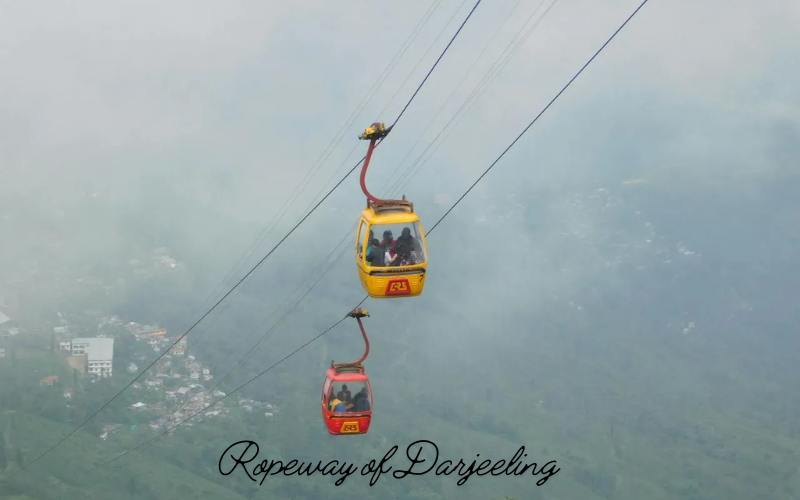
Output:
[[609, 378], [52, 477]]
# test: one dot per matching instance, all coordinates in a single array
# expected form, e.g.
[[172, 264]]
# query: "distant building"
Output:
[[99, 354], [158, 333], [49, 380], [151, 333]]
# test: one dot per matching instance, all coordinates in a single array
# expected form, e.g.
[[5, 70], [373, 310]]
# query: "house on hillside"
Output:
[[150, 333], [99, 353], [49, 380]]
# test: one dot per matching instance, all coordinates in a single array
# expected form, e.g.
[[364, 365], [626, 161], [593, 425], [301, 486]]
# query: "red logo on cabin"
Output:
[[350, 428], [398, 286]]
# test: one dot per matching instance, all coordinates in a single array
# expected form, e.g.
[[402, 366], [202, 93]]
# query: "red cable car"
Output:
[[347, 394]]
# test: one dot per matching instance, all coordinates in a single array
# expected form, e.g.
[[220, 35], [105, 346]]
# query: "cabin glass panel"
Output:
[[406, 247], [360, 238], [326, 388], [356, 394]]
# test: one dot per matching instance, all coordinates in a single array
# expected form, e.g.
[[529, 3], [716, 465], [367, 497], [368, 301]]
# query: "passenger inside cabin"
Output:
[[339, 406], [369, 244], [375, 255], [389, 242], [403, 256], [344, 395], [405, 237], [361, 401], [380, 255], [408, 248]]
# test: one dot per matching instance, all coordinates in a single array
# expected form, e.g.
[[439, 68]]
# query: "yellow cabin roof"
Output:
[[394, 215]]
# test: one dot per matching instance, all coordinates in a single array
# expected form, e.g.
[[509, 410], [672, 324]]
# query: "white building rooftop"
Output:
[[98, 348]]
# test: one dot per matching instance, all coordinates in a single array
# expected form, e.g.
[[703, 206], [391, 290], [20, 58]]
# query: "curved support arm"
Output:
[[363, 178], [375, 133], [357, 313], [366, 341]]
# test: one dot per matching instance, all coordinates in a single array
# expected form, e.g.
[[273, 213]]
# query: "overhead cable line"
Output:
[[250, 351], [342, 130], [267, 230], [318, 336], [258, 264], [317, 272], [407, 174], [320, 272], [391, 99], [336, 172], [324, 267], [274, 326]]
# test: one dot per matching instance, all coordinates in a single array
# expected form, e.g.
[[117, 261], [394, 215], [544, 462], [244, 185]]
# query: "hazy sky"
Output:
[[166, 106], [159, 108], [252, 92]]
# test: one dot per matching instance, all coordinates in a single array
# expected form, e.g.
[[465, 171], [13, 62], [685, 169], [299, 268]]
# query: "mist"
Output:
[[630, 262]]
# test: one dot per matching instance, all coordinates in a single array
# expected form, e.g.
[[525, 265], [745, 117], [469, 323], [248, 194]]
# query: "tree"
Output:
[[19, 457], [3, 460]]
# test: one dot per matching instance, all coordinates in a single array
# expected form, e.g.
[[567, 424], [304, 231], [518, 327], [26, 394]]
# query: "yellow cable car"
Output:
[[391, 251]]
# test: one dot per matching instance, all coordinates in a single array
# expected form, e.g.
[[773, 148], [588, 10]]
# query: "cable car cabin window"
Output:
[[404, 246], [360, 238], [326, 388], [355, 396]]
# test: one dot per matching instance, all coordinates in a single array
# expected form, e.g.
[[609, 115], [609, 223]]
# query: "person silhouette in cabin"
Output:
[[389, 242], [338, 406], [369, 244], [406, 237], [379, 256], [344, 394], [403, 255], [361, 401]]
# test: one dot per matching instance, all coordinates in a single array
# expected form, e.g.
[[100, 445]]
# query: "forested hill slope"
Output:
[[639, 335]]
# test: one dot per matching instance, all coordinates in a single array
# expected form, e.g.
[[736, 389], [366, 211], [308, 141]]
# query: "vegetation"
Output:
[[641, 378]]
